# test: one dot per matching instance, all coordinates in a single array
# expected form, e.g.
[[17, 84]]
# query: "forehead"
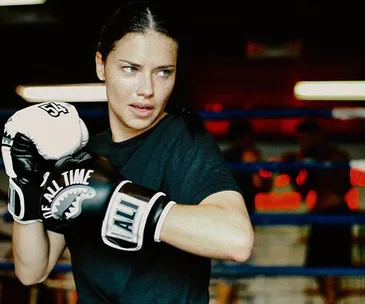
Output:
[[144, 48]]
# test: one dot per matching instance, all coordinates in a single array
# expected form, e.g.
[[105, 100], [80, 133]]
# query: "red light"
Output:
[[217, 107], [217, 127], [357, 177], [352, 199], [278, 201], [214, 107], [310, 199], [301, 177], [282, 180], [265, 174]]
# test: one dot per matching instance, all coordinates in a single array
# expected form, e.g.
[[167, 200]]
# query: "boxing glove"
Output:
[[33, 138], [85, 185]]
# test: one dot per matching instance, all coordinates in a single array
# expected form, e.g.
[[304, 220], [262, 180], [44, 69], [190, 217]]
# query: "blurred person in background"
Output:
[[328, 245], [243, 149]]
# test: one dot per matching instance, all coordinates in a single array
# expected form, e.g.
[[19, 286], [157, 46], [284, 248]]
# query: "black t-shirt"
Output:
[[186, 164]]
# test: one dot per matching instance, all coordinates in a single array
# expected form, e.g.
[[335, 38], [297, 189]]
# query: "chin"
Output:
[[141, 124]]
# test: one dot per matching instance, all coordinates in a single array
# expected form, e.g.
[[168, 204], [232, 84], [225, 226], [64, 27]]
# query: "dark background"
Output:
[[54, 43]]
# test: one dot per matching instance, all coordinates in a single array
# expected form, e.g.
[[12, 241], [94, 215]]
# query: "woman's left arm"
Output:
[[218, 228]]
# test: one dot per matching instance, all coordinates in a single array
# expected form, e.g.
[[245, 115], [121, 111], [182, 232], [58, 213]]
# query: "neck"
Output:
[[122, 132]]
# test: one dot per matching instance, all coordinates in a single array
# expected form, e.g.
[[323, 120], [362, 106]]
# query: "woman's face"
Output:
[[139, 77]]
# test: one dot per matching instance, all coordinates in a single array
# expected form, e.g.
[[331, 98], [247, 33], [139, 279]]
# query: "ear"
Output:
[[100, 69]]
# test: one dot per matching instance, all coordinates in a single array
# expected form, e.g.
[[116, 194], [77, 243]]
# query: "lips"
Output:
[[141, 110]]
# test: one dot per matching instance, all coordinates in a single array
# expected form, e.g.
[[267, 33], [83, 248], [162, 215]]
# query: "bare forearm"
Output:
[[30, 246], [209, 231], [32, 252]]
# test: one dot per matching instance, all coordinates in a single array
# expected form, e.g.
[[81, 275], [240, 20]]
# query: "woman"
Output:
[[166, 151]]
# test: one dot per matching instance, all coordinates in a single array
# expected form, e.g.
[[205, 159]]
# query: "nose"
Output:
[[145, 87]]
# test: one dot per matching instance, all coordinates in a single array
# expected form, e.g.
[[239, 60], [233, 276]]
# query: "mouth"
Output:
[[141, 110]]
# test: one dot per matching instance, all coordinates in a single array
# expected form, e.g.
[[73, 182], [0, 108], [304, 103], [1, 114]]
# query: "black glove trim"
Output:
[[127, 230], [16, 202]]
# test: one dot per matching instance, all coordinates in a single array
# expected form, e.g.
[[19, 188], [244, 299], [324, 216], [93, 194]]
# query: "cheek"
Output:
[[119, 91], [164, 91]]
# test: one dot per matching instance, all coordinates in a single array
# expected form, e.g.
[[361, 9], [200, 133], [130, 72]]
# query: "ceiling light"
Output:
[[89, 92], [330, 90], [20, 2]]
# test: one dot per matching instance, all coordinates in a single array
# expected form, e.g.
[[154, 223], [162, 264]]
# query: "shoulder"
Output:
[[340, 154], [333, 153], [190, 130], [99, 139]]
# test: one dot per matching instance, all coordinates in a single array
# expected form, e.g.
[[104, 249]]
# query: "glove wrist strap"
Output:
[[23, 202], [161, 220]]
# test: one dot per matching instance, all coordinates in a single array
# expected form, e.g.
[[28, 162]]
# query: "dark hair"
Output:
[[138, 17], [308, 126], [133, 17]]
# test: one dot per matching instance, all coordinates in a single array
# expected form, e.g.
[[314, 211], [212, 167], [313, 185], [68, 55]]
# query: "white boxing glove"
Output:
[[55, 128], [32, 136]]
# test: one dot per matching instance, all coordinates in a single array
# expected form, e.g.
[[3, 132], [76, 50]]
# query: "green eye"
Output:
[[164, 73], [129, 69]]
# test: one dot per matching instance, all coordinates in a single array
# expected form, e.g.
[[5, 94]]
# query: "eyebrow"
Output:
[[138, 65]]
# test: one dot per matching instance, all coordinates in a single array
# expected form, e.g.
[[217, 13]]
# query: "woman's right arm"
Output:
[[36, 252]]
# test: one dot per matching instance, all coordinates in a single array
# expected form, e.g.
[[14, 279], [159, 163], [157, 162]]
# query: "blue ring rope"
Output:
[[279, 166], [285, 219], [245, 270], [297, 219], [221, 270]]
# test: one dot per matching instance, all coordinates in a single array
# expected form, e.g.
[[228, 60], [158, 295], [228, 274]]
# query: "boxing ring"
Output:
[[221, 270]]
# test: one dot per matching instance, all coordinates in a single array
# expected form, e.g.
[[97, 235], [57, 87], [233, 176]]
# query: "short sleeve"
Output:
[[198, 169]]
